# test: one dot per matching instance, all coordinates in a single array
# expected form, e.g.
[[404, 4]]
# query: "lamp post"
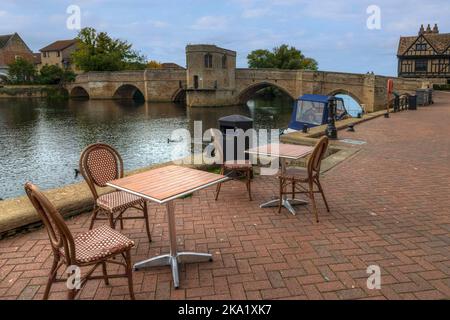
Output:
[[331, 129]]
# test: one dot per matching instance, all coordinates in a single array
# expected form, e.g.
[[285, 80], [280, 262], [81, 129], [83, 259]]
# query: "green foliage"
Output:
[[50, 74], [97, 51], [21, 71], [153, 64], [282, 57], [443, 87]]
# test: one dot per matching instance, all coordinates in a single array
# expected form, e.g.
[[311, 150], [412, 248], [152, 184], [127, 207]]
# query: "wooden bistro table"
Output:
[[284, 152], [163, 186]]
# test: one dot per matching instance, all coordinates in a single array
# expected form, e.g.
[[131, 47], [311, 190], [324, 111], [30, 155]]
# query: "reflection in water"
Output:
[[41, 141]]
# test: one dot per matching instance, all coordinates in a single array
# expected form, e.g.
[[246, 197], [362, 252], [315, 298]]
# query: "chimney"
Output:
[[422, 30], [435, 29], [428, 28]]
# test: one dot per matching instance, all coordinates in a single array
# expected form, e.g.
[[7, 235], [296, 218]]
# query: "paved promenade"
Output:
[[390, 207]]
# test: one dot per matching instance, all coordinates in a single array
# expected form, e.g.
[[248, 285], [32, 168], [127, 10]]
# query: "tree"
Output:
[[21, 71], [97, 51], [153, 64], [51, 74], [282, 57]]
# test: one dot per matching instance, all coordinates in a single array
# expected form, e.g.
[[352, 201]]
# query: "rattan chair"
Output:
[[304, 180], [99, 164], [94, 248], [241, 170]]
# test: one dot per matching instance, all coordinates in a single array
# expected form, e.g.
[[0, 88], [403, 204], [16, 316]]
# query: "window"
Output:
[[310, 112], [44, 54], [58, 53], [208, 60], [340, 109], [224, 62], [421, 46], [421, 65], [196, 82]]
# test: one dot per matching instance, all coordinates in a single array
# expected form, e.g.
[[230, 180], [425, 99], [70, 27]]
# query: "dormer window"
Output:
[[208, 60], [421, 46]]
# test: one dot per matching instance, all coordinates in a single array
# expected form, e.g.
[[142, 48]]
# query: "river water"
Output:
[[41, 141]]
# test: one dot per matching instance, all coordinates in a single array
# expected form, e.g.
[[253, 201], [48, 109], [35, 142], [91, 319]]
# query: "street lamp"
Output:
[[331, 129]]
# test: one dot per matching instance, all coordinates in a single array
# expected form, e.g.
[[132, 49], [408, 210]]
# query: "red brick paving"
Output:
[[390, 207]]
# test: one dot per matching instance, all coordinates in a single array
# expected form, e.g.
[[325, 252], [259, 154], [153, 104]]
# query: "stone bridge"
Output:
[[219, 82]]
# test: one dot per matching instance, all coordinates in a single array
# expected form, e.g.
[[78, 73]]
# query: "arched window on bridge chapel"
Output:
[[208, 60]]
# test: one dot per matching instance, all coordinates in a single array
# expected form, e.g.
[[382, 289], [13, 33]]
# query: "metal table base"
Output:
[[174, 258], [287, 203]]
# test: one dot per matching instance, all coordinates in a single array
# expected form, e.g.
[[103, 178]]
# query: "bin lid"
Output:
[[235, 120]]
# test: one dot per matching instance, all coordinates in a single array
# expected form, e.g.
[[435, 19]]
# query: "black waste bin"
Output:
[[412, 103], [396, 102], [235, 122], [422, 97]]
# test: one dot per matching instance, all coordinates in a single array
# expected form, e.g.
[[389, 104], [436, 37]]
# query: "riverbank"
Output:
[[18, 214], [32, 91]]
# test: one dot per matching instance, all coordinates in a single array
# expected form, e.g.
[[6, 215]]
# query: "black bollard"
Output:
[[331, 129], [305, 128]]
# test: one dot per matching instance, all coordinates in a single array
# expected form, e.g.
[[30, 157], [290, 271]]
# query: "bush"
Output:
[[21, 71], [444, 87], [55, 75]]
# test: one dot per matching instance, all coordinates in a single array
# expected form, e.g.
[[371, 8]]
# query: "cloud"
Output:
[[255, 13], [211, 23]]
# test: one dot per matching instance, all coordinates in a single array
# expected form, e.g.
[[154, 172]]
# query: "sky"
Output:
[[335, 33]]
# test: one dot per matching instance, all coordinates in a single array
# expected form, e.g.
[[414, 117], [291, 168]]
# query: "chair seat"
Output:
[[118, 200], [100, 243], [297, 174], [238, 164]]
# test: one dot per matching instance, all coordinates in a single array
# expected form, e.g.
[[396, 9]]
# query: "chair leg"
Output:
[[51, 278], [323, 195], [313, 200], [147, 225], [219, 186], [105, 273], [121, 221], [129, 273], [94, 217], [293, 189], [111, 220]]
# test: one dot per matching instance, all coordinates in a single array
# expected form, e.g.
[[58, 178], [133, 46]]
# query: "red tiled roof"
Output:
[[59, 45], [439, 41]]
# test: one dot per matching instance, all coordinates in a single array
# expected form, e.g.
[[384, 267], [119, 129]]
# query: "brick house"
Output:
[[425, 55], [59, 53], [12, 47]]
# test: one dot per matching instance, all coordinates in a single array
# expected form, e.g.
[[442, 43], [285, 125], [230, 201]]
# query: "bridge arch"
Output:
[[128, 92], [79, 92], [179, 96], [347, 92], [249, 91]]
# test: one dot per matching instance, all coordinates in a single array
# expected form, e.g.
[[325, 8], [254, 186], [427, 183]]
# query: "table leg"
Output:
[[175, 257], [287, 203]]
